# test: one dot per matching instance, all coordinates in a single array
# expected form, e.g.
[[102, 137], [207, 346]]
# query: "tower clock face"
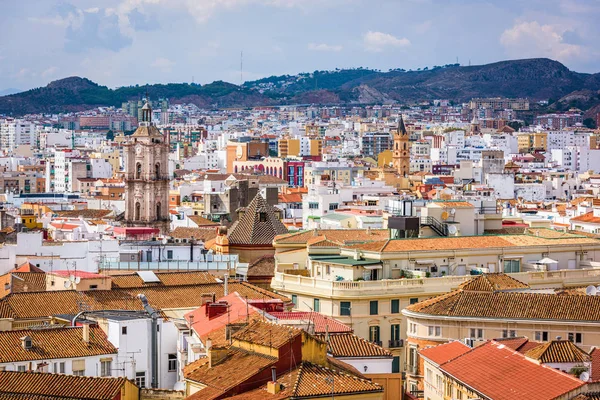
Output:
[[138, 150]]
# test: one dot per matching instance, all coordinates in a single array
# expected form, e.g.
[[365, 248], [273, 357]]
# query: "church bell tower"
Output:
[[146, 157], [401, 156]]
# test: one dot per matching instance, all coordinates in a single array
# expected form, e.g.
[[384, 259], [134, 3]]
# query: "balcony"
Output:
[[377, 342], [394, 344], [320, 287]]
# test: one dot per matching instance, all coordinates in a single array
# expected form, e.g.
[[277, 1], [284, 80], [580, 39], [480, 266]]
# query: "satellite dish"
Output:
[[67, 284], [72, 278], [452, 230], [591, 290], [444, 216], [77, 280], [453, 211], [585, 376]]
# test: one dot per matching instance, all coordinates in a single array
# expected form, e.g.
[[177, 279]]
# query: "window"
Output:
[[172, 362], [295, 300], [396, 365], [262, 217], [123, 330], [78, 367], [438, 382], [412, 328], [140, 379], [169, 254], [374, 333], [59, 368], [395, 306], [541, 336], [313, 206], [434, 331], [374, 307], [414, 300], [316, 305], [328, 269], [21, 368], [575, 337], [345, 307], [511, 266], [476, 333], [459, 394], [92, 287], [333, 206], [506, 333], [395, 332], [105, 367]]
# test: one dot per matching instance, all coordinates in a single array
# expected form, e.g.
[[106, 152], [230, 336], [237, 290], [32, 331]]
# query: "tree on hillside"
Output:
[[589, 123]]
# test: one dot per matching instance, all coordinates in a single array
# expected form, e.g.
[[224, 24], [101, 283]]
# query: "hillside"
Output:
[[536, 79]]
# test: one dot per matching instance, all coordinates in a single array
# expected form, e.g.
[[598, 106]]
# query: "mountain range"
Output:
[[536, 79]]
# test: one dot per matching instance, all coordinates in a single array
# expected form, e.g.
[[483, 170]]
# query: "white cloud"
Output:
[[48, 72], [379, 41], [163, 64], [324, 47], [530, 39]]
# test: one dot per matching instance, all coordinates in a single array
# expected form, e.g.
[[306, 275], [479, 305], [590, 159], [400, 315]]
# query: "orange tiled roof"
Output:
[[558, 351], [445, 352], [201, 221], [59, 386], [249, 229], [204, 234], [350, 345], [520, 344], [340, 236], [312, 381], [87, 213], [263, 266], [44, 304], [53, 343], [492, 283], [595, 358], [133, 280], [491, 368], [513, 305], [470, 242], [267, 334], [587, 218]]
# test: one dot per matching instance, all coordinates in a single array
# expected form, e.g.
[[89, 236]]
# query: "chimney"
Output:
[[86, 333], [26, 343], [206, 298], [273, 387], [216, 354], [225, 287]]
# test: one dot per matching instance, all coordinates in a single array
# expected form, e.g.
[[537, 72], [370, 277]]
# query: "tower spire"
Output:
[[401, 127]]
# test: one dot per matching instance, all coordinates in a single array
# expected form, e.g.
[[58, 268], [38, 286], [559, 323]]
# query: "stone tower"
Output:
[[401, 150], [147, 176]]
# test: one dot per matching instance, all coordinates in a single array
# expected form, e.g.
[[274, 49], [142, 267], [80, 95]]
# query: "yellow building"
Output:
[[532, 142], [296, 148], [385, 158]]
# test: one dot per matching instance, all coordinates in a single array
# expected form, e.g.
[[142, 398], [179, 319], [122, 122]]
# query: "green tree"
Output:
[[589, 123], [110, 135], [516, 125]]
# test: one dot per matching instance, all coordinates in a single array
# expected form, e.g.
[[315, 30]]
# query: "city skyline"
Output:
[[128, 42]]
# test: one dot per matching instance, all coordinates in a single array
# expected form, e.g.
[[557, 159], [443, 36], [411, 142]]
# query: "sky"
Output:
[[127, 42]]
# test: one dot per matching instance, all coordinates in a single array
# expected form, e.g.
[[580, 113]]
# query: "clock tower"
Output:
[[146, 177]]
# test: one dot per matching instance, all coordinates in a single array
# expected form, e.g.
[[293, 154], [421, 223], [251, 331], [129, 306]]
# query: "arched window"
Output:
[[157, 170], [158, 211], [138, 171], [235, 169], [396, 145], [280, 173], [404, 145], [136, 216]]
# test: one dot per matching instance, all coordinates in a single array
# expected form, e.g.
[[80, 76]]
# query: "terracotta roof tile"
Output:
[[312, 381], [445, 352], [264, 266], [133, 280], [61, 386], [267, 334], [45, 304], [201, 221], [500, 373], [87, 213], [340, 236], [520, 344], [587, 218], [53, 343], [512, 305], [204, 234], [350, 345], [558, 351], [321, 323], [249, 229], [492, 282]]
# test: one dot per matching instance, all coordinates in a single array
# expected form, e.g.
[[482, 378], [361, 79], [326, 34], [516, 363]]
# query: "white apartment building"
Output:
[[16, 132]]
